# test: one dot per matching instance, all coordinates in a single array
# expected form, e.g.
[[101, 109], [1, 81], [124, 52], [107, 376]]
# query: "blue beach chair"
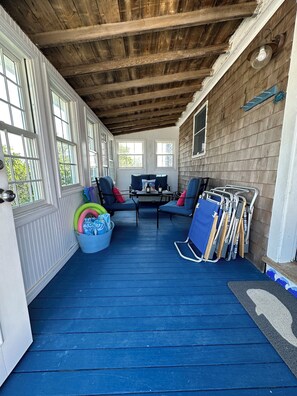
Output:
[[202, 233]]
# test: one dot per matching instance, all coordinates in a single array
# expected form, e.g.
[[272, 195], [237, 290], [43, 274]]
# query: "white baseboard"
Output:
[[36, 289]]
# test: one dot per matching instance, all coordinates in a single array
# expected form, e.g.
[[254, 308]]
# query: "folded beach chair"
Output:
[[202, 233]]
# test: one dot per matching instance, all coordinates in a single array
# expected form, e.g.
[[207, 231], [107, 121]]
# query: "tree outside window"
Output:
[[130, 154]]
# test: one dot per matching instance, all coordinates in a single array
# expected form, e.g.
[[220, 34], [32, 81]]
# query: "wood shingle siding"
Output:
[[243, 147]]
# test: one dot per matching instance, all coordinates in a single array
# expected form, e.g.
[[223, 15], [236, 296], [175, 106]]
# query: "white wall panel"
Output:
[[46, 244]]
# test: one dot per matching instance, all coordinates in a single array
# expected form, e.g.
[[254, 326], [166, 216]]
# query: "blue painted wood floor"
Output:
[[137, 319]]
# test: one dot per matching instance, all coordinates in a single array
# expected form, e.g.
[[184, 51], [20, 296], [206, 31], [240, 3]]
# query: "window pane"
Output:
[[56, 105], [10, 69], [16, 145], [200, 120], [30, 147], [3, 94], [74, 174], [64, 114], [23, 193], [34, 169], [122, 148], [8, 167], [14, 94], [165, 161], [59, 128], [18, 118], [3, 141], [36, 191], [66, 131], [138, 161], [19, 169], [4, 113], [138, 148]]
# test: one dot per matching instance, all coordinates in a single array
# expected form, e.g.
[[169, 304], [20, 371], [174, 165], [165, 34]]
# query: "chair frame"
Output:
[[202, 187], [101, 197]]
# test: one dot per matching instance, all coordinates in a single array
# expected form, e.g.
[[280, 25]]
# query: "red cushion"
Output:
[[118, 196], [181, 199]]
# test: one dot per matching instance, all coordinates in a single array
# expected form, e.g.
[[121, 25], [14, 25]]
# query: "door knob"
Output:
[[6, 195]]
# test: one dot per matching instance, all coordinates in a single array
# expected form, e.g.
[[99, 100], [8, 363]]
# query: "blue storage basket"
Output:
[[94, 243]]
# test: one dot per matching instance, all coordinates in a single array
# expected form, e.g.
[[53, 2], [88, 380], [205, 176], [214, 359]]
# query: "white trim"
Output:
[[40, 285], [282, 242], [243, 36]]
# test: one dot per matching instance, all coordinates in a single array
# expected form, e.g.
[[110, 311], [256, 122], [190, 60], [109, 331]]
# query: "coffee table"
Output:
[[165, 194]]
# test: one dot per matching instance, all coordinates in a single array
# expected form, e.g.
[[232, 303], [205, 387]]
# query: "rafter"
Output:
[[141, 26], [145, 82], [117, 64], [142, 107], [141, 116], [152, 120], [145, 96], [146, 127]]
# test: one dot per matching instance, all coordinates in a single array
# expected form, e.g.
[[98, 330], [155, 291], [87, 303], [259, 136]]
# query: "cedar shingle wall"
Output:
[[243, 147]]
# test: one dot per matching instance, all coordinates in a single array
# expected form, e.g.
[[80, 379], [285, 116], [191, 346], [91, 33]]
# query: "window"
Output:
[[111, 161], [93, 155], [165, 154], [130, 154], [104, 150], [67, 149], [19, 142], [199, 132]]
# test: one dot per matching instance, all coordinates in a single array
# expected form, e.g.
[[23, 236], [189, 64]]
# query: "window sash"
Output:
[[199, 132]]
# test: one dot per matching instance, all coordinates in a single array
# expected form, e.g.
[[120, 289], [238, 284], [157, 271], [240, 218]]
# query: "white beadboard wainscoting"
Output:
[[46, 244]]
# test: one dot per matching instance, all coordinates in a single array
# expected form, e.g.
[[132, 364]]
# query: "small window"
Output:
[[165, 154], [199, 132], [93, 154], [130, 154], [67, 148]]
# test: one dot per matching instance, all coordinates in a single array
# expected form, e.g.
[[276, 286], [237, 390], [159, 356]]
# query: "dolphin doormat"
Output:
[[274, 310]]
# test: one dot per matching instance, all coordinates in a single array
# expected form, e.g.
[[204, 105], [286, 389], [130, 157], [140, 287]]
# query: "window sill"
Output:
[[75, 188], [24, 215]]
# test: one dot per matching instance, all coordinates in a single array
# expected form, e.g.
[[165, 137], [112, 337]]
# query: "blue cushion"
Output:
[[129, 204], [192, 191], [172, 208], [161, 181], [106, 185], [136, 181]]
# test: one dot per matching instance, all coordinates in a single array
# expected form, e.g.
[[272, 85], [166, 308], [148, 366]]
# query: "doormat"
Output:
[[274, 310]]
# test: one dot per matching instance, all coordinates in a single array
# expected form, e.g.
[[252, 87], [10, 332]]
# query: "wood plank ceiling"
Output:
[[136, 63]]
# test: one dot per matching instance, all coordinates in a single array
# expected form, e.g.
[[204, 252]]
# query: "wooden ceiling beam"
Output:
[[145, 82], [152, 120], [135, 27], [141, 116], [146, 127], [143, 107], [161, 57], [122, 100]]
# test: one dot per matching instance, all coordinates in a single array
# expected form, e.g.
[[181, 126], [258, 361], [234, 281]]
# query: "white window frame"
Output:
[[173, 154], [111, 154], [31, 211], [201, 108], [54, 83], [104, 168], [143, 153], [90, 118]]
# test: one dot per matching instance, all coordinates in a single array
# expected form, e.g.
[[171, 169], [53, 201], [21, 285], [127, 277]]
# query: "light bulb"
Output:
[[262, 54]]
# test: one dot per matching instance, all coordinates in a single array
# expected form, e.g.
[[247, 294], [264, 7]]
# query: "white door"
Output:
[[15, 330]]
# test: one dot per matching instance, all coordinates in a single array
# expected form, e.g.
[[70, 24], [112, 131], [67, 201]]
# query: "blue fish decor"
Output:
[[268, 93]]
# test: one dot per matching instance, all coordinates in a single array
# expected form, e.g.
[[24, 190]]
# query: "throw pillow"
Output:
[[118, 196], [181, 199], [146, 182]]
